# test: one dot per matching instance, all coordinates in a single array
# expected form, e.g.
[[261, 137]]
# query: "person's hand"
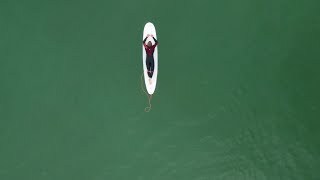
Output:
[[148, 35], [151, 35]]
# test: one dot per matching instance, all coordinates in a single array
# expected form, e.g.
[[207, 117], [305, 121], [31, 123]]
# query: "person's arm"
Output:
[[156, 42], [154, 39], [144, 41]]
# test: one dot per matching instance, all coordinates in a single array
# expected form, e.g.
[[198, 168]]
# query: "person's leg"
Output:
[[148, 63], [152, 66], [149, 70]]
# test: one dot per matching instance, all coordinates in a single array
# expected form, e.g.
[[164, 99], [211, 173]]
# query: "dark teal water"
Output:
[[237, 94]]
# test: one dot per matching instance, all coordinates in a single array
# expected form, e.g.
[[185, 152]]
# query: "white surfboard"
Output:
[[150, 84]]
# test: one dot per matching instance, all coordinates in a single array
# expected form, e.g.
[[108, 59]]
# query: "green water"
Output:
[[237, 94]]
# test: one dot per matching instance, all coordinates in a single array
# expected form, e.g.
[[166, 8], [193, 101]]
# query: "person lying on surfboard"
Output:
[[149, 51]]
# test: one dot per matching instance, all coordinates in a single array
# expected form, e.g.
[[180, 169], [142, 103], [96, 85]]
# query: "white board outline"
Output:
[[150, 29]]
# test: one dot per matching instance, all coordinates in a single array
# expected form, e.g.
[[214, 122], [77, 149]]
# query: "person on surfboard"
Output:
[[149, 51]]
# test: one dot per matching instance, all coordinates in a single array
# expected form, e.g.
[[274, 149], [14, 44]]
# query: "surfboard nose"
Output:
[[149, 24]]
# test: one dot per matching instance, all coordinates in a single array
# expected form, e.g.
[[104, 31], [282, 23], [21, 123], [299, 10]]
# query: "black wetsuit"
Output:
[[149, 58]]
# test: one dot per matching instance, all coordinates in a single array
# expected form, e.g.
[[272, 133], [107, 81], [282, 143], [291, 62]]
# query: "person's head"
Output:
[[149, 44]]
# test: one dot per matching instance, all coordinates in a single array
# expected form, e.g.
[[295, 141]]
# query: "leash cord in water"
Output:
[[146, 109]]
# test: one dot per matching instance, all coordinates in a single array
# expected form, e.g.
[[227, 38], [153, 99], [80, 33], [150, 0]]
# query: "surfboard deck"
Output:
[[150, 29]]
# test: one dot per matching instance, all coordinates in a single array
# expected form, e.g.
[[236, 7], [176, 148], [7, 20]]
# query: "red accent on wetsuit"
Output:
[[150, 50]]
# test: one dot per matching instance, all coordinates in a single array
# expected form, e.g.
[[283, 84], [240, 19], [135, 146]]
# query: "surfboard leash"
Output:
[[146, 109]]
